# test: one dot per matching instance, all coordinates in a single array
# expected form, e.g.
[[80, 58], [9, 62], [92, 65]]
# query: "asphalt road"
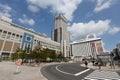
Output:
[[71, 71]]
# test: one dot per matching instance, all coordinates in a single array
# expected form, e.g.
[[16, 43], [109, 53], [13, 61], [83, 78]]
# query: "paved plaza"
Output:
[[8, 72]]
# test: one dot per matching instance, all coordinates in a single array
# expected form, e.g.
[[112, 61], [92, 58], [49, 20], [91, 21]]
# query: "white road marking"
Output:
[[63, 71], [77, 74]]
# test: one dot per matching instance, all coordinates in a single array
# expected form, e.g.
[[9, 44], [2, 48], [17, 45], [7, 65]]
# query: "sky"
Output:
[[100, 17]]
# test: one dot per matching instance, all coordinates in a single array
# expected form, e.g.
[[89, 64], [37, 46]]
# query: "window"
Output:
[[4, 34], [17, 37], [13, 36], [34, 42], [20, 38], [9, 34], [0, 32]]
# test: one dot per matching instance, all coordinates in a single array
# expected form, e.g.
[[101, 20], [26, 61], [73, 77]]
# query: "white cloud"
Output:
[[80, 30], [67, 7], [114, 30], [26, 20], [5, 10], [33, 8], [102, 4]]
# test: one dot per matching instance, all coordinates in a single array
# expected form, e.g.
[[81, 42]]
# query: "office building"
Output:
[[60, 34]]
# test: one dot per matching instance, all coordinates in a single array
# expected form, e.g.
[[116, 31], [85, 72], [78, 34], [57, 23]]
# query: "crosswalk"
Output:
[[102, 75]]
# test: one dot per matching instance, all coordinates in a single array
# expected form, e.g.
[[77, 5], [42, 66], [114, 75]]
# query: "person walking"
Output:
[[93, 62], [86, 63], [18, 63], [112, 64], [99, 65]]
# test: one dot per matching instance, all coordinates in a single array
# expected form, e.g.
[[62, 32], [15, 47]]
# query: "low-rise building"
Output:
[[90, 47], [13, 36]]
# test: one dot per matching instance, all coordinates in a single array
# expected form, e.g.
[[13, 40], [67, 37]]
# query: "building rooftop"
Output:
[[89, 37], [9, 21], [83, 41]]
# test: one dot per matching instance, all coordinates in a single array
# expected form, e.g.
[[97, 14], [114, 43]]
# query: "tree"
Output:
[[22, 54], [60, 56], [35, 54], [14, 56], [38, 54], [44, 54], [117, 54], [53, 55]]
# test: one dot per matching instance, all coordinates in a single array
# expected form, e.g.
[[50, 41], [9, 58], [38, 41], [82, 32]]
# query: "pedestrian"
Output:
[[112, 64], [86, 63], [18, 63], [93, 62], [99, 64]]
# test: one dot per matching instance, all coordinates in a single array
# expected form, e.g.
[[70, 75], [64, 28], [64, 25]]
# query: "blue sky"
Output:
[[101, 17]]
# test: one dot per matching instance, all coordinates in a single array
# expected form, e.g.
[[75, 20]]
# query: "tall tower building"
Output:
[[60, 34]]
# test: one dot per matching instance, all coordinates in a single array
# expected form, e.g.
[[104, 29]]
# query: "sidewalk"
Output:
[[90, 65], [8, 69]]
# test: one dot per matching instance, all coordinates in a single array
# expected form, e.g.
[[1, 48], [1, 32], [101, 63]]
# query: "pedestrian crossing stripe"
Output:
[[77, 74], [102, 75], [97, 78]]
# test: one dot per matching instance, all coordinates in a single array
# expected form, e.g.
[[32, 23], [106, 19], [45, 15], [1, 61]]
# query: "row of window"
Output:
[[46, 45], [17, 37], [10, 35]]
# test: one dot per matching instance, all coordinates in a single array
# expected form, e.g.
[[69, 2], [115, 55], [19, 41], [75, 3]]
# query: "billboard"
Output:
[[99, 46]]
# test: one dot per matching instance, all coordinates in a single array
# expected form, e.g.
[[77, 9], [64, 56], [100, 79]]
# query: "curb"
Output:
[[102, 68]]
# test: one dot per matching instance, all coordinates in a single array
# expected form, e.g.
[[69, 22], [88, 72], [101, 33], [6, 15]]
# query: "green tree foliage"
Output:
[[22, 54], [14, 56], [19, 54], [38, 54]]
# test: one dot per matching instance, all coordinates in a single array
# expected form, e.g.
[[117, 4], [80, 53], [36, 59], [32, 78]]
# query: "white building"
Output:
[[13, 36], [91, 46]]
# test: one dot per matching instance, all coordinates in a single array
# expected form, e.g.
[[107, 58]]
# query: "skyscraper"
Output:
[[60, 34]]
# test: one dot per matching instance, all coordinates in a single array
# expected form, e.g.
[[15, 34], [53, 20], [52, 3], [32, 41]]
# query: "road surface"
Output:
[[73, 71]]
